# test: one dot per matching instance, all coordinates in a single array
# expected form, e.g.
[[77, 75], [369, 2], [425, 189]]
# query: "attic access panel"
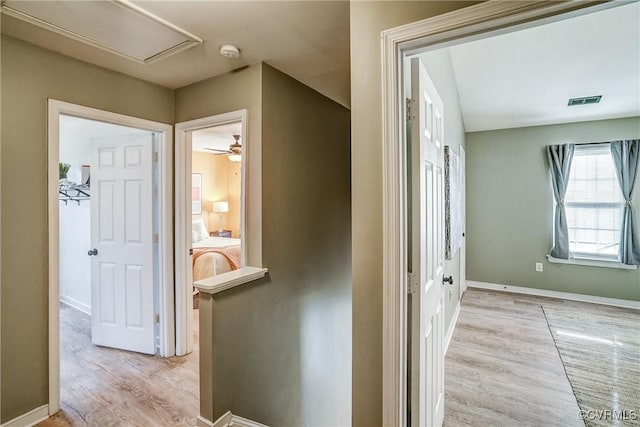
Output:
[[117, 26]]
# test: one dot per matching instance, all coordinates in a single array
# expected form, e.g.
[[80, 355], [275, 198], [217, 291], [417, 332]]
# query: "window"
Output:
[[594, 204]]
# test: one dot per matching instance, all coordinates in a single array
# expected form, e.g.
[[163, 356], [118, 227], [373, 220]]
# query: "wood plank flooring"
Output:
[[107, 387], [502, 367]]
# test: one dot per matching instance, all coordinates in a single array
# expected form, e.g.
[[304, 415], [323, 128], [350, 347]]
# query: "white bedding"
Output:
[[212, 263], [216, 242]]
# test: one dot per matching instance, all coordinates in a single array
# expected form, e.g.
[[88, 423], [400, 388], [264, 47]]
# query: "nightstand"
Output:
[[223, 233]]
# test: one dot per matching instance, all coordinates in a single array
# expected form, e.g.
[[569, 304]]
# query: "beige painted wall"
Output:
[[220, 182], [510, 206], [30, 75], [368, 19], [281, 345]]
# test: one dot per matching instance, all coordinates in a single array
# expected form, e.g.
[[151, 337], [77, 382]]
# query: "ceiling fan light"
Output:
[[235, 157]]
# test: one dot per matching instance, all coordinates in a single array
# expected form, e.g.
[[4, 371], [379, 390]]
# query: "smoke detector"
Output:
[[229, 51]]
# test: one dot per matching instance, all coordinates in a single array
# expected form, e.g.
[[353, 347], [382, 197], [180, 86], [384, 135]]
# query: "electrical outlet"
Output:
[[539, 266]]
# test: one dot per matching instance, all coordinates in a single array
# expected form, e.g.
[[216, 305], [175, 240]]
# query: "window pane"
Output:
[[593, 203]]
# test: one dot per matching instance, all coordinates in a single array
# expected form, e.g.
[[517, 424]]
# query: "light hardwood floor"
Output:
[[106, 387], [503, 368]]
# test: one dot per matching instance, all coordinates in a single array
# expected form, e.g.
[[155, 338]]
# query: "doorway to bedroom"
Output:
[[210, 175], [216, 174]]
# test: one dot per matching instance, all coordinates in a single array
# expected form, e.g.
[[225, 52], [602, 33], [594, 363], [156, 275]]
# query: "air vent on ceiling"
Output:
[[117, 26], [585, 100]]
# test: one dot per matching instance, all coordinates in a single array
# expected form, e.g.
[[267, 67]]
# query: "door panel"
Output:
[[133, 226], [107, 294], [427, 251], [105, 210], [122, 233]]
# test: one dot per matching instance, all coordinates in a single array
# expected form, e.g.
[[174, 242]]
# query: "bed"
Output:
[[215, 255], [212, 255]]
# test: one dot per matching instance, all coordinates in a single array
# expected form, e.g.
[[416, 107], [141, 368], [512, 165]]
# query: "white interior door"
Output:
[[427, 250], [122, 273], [463, 221]]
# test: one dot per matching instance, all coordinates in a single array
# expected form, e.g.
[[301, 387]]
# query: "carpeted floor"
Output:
[[600, 351]]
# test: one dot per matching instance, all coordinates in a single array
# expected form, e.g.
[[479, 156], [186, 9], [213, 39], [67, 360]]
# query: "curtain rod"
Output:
[[593, 143], [598, 143]]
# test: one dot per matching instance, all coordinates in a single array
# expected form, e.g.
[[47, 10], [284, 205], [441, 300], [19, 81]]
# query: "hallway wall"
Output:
[[30, 76]]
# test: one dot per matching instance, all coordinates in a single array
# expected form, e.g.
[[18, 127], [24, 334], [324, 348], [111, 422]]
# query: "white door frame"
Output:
[[184, 299], [470, 23], [165, 228]]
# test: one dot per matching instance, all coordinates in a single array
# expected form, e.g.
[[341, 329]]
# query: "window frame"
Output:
[[588, 258]]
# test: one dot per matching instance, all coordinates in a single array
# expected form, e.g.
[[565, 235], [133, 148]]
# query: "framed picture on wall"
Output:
[[196, 193], [452, 202]]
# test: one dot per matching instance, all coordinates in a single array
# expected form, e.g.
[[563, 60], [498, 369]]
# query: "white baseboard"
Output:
[[29, 419], [452, 327], [229, 420], [72, 302], [203, 422], [555, 294]]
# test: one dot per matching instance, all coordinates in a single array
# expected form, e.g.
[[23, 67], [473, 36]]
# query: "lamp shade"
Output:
[[220, 207]]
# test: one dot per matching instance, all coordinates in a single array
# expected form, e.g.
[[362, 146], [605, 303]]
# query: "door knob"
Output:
[[92, 252], [448, 280]]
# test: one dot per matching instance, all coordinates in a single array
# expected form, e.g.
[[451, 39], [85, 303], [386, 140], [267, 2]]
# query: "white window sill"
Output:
[[592, 263], [222, 282]]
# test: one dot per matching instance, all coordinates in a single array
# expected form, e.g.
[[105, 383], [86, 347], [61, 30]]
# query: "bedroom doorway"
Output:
[[216, 171], [398, 45], [110, 240], [210, 159]]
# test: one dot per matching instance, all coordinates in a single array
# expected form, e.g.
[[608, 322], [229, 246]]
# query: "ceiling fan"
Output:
[[234, 152]]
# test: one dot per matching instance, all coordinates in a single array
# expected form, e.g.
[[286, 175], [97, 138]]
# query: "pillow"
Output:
[[198, 230]]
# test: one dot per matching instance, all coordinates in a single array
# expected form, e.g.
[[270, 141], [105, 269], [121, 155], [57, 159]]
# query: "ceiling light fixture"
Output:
[[234, 153], [229, 51]]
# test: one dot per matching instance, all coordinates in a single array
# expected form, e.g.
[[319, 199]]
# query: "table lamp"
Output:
[[220, 208]]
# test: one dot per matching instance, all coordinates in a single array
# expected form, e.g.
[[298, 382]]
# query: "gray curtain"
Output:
[[626, 156], [560, 157]]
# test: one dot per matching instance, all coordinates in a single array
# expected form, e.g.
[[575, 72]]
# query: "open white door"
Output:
[[463, 221], [122, 297], [427, 250]]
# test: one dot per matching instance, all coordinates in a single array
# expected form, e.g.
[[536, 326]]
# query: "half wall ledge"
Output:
[[222, 282]]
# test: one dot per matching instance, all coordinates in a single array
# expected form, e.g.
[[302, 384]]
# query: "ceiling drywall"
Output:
[[308, 40], [526, 78], [217, 137]]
